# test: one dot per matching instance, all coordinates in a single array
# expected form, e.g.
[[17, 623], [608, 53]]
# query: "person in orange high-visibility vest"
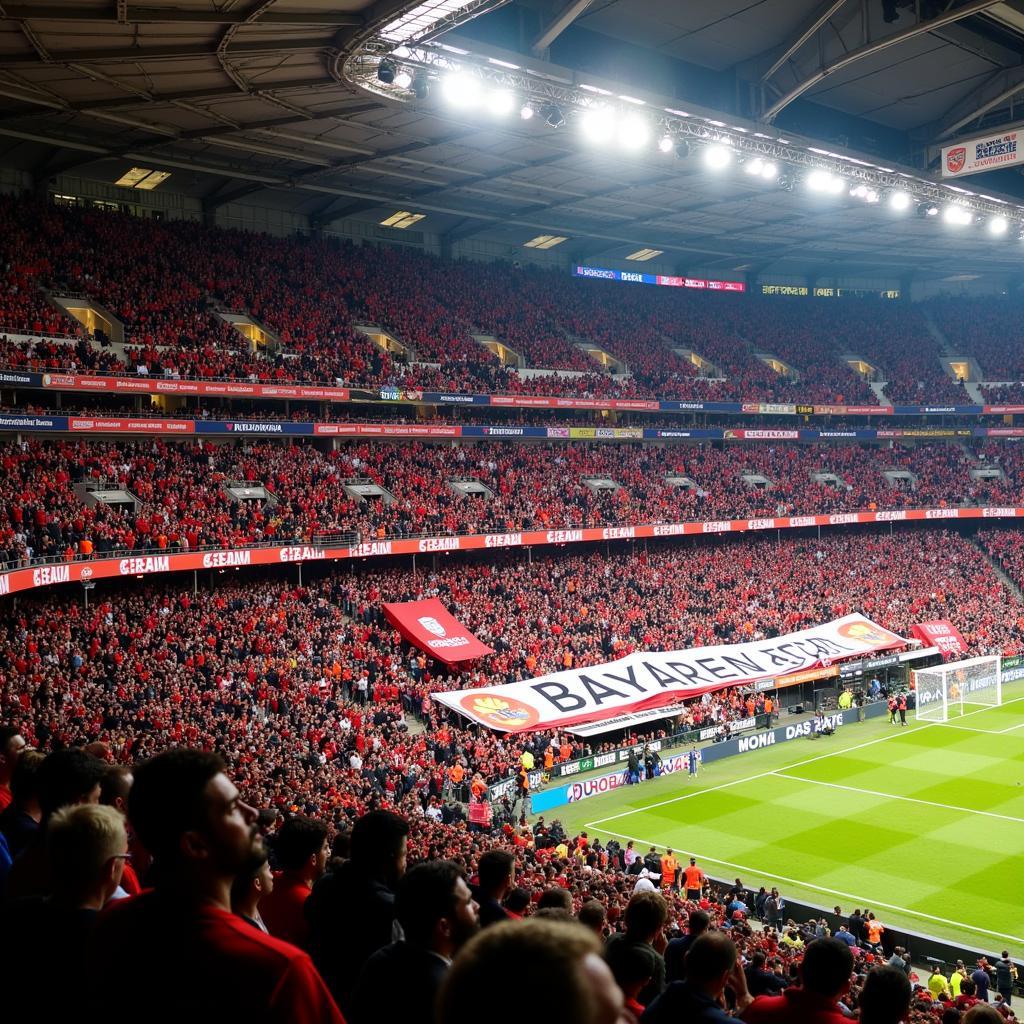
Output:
[[669, 867], [693, 879]]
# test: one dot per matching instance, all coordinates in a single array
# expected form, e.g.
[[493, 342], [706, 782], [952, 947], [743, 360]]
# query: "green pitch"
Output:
[[924, 825]]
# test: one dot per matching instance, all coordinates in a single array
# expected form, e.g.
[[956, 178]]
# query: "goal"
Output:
[[957, 687]]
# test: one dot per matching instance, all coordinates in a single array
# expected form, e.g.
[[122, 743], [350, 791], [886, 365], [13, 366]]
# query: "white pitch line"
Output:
[[820, 888], [907, 799], [797, 764]]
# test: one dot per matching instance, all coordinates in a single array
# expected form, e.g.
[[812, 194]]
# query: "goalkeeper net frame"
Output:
[[951, 688]]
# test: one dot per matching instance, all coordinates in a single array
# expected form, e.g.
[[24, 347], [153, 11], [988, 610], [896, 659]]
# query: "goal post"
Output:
[[950, 690]]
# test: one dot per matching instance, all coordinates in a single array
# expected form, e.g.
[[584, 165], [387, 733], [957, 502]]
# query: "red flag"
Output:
[[432, 628], [941, 634]]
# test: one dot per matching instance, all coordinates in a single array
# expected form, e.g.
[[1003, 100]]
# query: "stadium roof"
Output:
[[263, 98]]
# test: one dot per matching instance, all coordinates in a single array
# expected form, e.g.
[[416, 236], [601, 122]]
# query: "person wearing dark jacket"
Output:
[[438, 915], [712, 965], [676, 950], [351, 911], [496, 876]]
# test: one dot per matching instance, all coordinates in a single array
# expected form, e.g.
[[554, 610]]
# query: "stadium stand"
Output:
[[310, 294], [178, 498]]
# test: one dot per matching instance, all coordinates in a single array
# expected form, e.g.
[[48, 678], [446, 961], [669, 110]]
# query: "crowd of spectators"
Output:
[[182, 501], [303, 692], [164, 281]]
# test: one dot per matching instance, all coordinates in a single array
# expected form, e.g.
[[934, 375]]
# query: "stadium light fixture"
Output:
[[403, 79], [461, 90], [754, 167], [769, 171], [552, 114], [927, 210], [899, 201], [386, 71], [717, 157], [998, 226], [824, 181], [421, 86], [665, 144], [598, 125], [500, 102], [869, 195], [956, 216], [633, 131], [526, 111]]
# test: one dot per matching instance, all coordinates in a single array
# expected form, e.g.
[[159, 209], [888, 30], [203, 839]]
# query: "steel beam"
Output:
[[561, 21], [921, 28], [812, 26]]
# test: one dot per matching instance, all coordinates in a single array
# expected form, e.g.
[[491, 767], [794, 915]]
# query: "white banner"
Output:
[[984, 154], [652, 679]]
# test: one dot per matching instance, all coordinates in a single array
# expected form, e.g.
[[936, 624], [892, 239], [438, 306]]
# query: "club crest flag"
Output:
[[941, 634], [653, 679], [429, 626]]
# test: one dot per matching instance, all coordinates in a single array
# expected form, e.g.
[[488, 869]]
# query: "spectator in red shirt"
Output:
[[12, 743], [178, 947], [301, 850], [825, 978]]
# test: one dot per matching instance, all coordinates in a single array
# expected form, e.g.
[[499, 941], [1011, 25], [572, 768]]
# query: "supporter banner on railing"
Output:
[[941, 634], [650, 679], [44, 575], [429, 626]]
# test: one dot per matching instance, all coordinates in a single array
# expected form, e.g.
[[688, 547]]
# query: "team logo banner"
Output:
[[429, 626], [983, 154], [941, 634], [650, 679]]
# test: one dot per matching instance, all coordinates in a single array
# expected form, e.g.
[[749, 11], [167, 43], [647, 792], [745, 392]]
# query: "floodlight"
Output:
[[769, 171], [899, 201], [526, 111], [717, 157], [754, 166], [500, 102], [403, 79], [633, 131], [998, 225], [666, 145], [461, 89], [386, 71], [956, 216], [597, 124]]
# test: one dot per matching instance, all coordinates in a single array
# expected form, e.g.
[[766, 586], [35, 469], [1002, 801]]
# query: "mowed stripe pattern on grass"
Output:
[[925, 861]]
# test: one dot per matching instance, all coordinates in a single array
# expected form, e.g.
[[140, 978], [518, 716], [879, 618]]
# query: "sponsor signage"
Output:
[[853, 668], [282, 392], [985, 153], [635, 277], [661, 679]]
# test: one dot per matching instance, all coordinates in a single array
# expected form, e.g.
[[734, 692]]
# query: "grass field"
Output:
[[923, 824]]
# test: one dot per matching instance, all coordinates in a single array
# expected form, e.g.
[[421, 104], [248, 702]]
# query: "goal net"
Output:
[[947, 691]]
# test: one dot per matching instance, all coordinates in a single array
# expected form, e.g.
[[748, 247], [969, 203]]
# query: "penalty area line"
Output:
[[796, 764], [822, 889]]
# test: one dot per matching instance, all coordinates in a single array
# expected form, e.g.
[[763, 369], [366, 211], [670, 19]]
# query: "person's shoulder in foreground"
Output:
[[179, 952]]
